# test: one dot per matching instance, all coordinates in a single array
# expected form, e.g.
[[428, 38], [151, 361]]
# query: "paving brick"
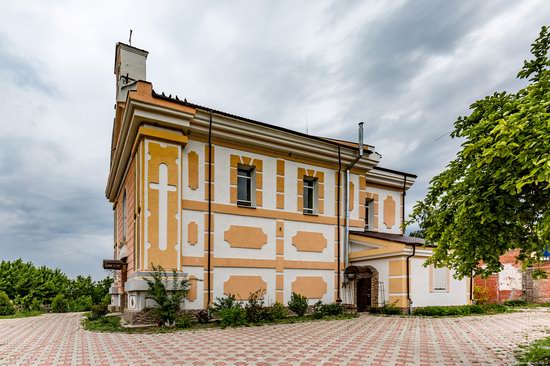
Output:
[[58, 339]]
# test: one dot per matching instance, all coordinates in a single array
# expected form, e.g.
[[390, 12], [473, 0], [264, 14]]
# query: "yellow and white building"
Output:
[[239, 205]]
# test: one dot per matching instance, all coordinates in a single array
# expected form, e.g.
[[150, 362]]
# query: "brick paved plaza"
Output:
[[58, 339]]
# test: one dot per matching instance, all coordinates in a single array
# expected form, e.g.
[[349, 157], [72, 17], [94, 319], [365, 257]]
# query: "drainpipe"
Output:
[[209, 206], [338, 298], [409, 277], [403, 208], [346, 195]]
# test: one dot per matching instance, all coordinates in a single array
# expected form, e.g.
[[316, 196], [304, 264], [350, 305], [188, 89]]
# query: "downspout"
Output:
[[346, 195], [338, 298], [403, 208], [209, 207], [409, 277]]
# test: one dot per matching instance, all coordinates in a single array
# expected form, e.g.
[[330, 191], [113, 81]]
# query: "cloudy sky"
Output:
[[406, 68]]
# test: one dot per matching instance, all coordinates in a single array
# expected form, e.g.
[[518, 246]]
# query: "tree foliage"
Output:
[[30, 287], [495, 195]]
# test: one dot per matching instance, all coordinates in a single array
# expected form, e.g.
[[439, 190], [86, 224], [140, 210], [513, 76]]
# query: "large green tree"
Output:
[[495, 195]]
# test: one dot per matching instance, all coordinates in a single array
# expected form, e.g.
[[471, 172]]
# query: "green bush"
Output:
[[517, 302], [254, 308], [386, 309], [298, 304], [83, 303], [98, 311], [333, 309], [318, 310], [225, 302], [183, 321], [168, 302], [60, 304], [6, 306], [233, 316], [278, 311]]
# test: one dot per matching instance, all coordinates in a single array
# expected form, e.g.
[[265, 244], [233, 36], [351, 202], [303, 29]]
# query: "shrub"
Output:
[[386, 309], [278, 311], [203, 317], [6, 306], [36, 305], [318, 310], [233, 316], [517, 302], [298, 304], [168, 303], [333, 309], [98, 311], [225, 302], [60, 304], [254, 308], [83, 303], [481, 296], [183, 321]]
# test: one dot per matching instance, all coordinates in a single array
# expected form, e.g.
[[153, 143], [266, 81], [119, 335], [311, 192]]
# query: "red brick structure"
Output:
[[512, 282]]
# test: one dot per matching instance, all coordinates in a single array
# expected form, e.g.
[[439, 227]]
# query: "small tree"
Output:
[[6, 306], [168, 301], [298, 304], [60, 304]]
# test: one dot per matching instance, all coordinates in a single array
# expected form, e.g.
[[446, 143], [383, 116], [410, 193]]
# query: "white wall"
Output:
[[420, 288]]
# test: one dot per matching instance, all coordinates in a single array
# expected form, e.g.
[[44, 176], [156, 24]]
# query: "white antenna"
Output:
[[307, 127], [130, 39]]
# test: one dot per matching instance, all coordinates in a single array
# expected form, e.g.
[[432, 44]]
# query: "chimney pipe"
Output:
[[361, 138]]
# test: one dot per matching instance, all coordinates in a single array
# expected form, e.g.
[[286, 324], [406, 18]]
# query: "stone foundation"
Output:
[[147, 316]]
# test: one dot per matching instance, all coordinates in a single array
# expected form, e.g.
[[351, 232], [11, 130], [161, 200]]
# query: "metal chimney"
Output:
[[361, 138]]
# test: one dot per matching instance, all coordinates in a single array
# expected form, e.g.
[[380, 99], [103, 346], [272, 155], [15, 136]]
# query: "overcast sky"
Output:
[[406, 68]]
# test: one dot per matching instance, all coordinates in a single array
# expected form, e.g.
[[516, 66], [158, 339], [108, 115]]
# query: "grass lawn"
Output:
[[22, 314], [537, 353], [111, 324]]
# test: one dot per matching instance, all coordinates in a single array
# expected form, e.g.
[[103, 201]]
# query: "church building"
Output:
[[238, 205]]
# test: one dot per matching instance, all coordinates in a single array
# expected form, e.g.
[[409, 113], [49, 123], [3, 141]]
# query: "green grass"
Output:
[[22, 314], [111, 324], [537, 353]]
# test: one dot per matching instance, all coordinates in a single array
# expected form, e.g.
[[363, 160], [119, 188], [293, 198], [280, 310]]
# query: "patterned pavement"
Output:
[[58, 339]]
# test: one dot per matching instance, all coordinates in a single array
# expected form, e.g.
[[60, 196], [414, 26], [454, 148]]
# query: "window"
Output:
[[369, 214], [245, 186], [440, 277], [310, 195], [124, 216]]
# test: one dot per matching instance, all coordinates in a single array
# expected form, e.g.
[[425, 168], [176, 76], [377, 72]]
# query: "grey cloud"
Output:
[[281, 63], [22, 70]]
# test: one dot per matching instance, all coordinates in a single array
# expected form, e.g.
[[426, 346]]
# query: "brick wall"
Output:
[[515, 283]]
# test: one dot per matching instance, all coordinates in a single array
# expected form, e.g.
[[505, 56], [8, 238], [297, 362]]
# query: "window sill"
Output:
[[245, 206], [310, 214]]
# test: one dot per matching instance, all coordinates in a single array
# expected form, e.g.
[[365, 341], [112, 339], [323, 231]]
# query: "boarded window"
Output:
[[440, 279]]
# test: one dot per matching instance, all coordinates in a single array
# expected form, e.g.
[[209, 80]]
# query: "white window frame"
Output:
[[252, 183], [369, 214], [314, 193]]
